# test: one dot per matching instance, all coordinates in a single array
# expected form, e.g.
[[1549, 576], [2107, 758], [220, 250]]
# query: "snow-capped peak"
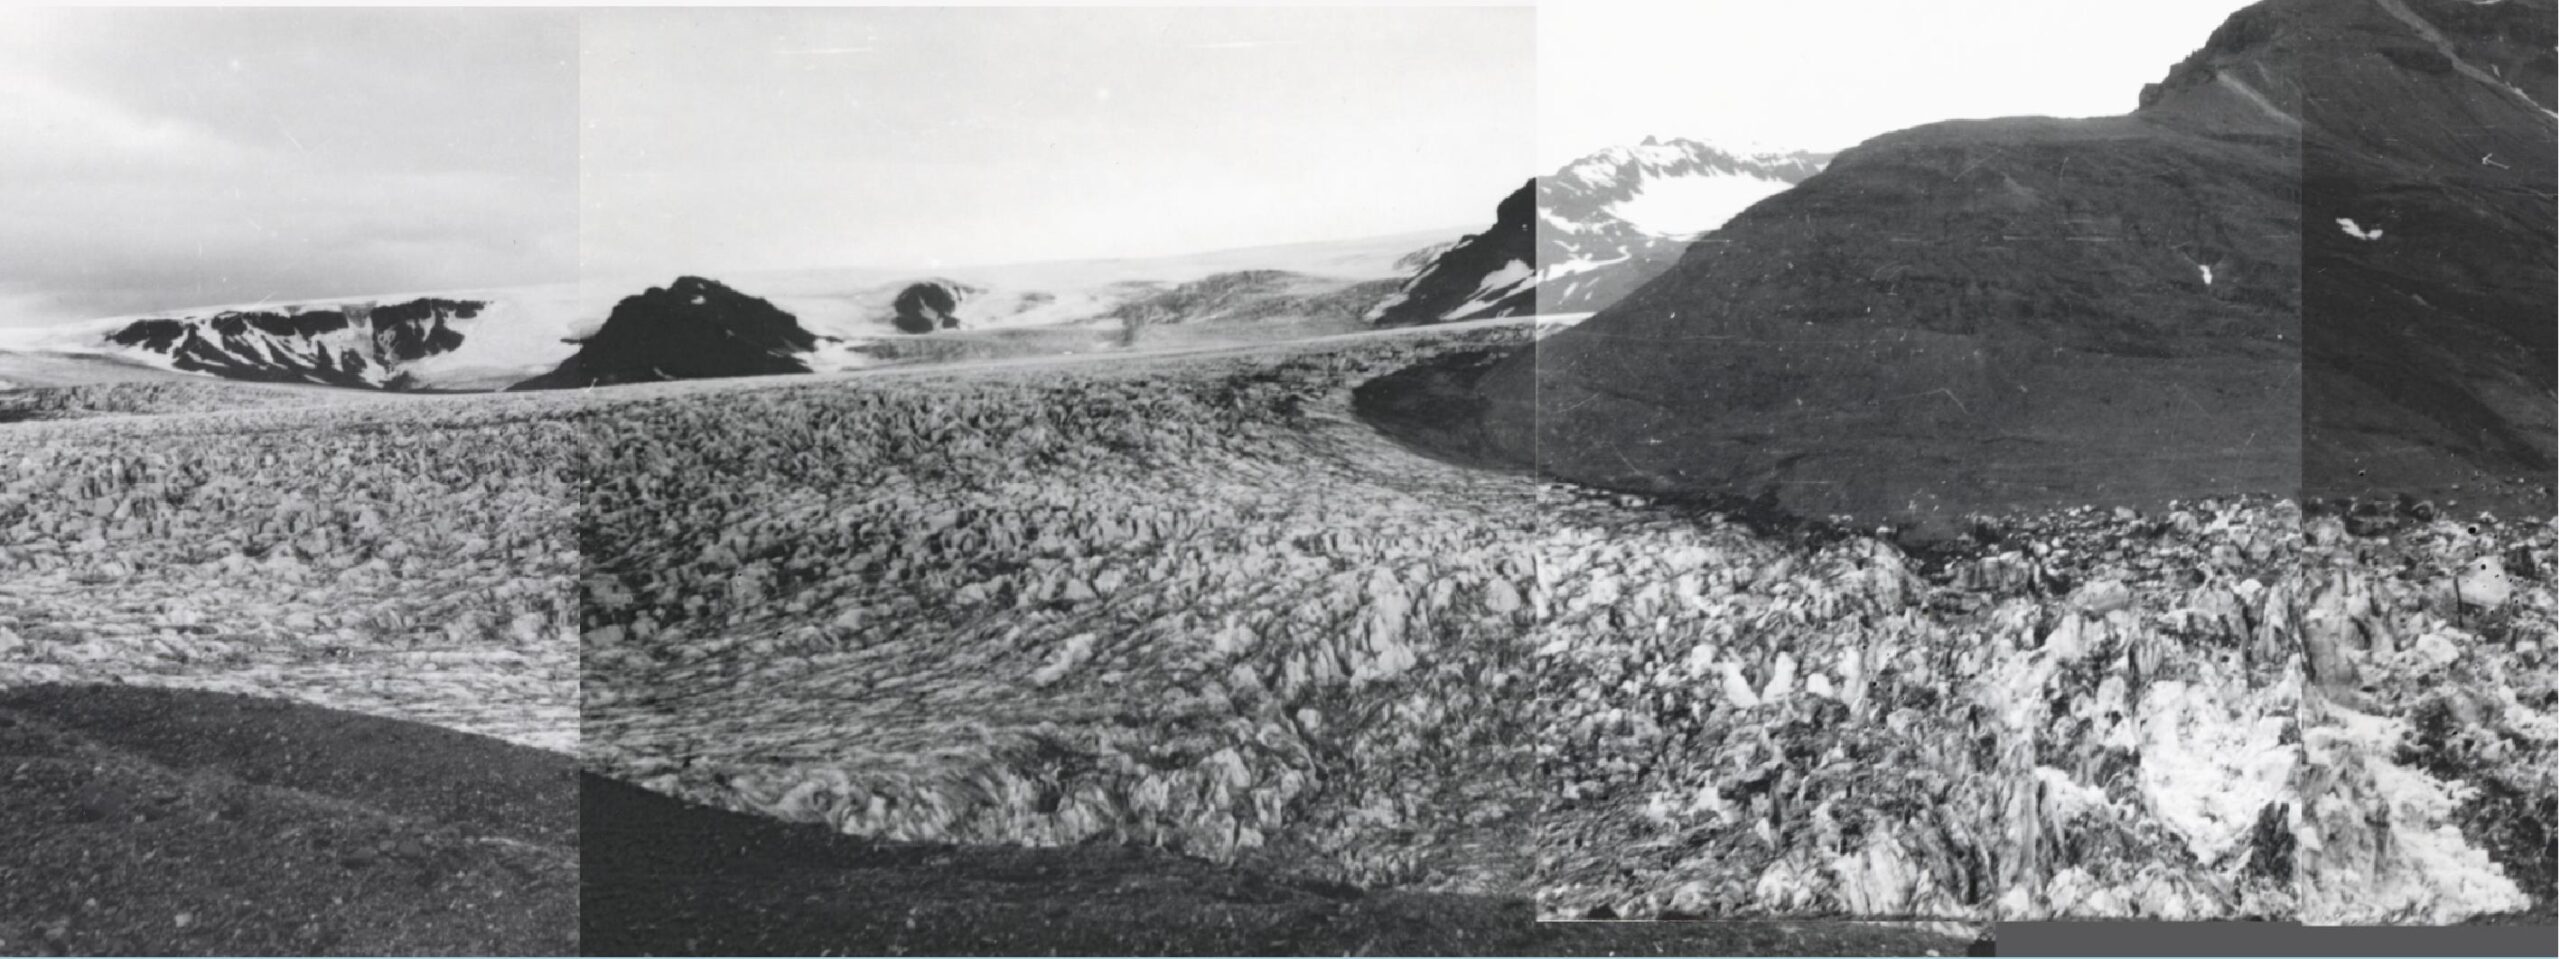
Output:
[[1655, 157], [1597, 228]]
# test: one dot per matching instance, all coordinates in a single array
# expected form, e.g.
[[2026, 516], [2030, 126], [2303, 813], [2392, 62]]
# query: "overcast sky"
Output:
[[156, 158], [1827, 74], [919, 136], [162, 158]]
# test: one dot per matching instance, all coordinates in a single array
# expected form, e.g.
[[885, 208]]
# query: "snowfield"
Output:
[[1180, 596]]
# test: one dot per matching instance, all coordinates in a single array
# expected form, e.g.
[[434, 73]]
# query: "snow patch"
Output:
[[1555, 271], [2358, 232], [518, 334], [1391, 301], [2208, 770], [1496, 285], [1691, 205]]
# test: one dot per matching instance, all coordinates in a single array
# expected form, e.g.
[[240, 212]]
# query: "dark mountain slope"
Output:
[[1484, 275], [2428, 352], [930, 305], [693, 329], [2024, 312], [167, 822], [1602, 233], [1585, 236]]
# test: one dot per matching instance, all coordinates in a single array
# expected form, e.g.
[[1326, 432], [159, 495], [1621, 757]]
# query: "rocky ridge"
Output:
[[929, 305], [692, 329], [354, 345], [1583, 237]]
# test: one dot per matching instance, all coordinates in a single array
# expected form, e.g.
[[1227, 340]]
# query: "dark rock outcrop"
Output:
[[1569, 245], [2184, 301], [159, 335], [303, 323], [929, 305], [692, 329], [1591, 254], [1485, 275], [2428, 350], [416, 329]]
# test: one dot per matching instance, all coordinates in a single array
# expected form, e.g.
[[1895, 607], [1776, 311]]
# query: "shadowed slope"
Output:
[[694, 328], [157, 822], [2032, 312], [1481, 276], [2428, 350], [663, 877]]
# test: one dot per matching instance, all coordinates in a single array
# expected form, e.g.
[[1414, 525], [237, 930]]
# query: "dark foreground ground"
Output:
[[159, 822], [665, 877]]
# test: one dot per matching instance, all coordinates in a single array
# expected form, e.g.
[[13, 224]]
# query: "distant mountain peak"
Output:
[[1598, 227], [692, 328], [358, 343]]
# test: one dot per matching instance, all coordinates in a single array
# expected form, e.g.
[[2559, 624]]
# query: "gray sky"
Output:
[[918, 136], [164, 158], [1827, 74], [157, 158]]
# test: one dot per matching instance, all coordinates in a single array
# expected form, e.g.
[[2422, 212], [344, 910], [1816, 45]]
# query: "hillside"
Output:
[[157, 822], [2033, 312], [665, 876], [691, 329], [2428, 341]]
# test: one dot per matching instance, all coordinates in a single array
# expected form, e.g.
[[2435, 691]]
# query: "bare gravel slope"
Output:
[[158, 822]]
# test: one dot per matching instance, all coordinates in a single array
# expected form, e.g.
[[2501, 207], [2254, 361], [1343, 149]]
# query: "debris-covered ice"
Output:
[[1190, 601], [407, 557]]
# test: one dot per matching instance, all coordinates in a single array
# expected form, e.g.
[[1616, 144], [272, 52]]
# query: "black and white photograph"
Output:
[[2127, 497], [288, 604], [1580, 477]]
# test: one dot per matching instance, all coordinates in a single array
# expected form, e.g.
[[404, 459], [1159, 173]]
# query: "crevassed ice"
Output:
[[2209, 766]]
